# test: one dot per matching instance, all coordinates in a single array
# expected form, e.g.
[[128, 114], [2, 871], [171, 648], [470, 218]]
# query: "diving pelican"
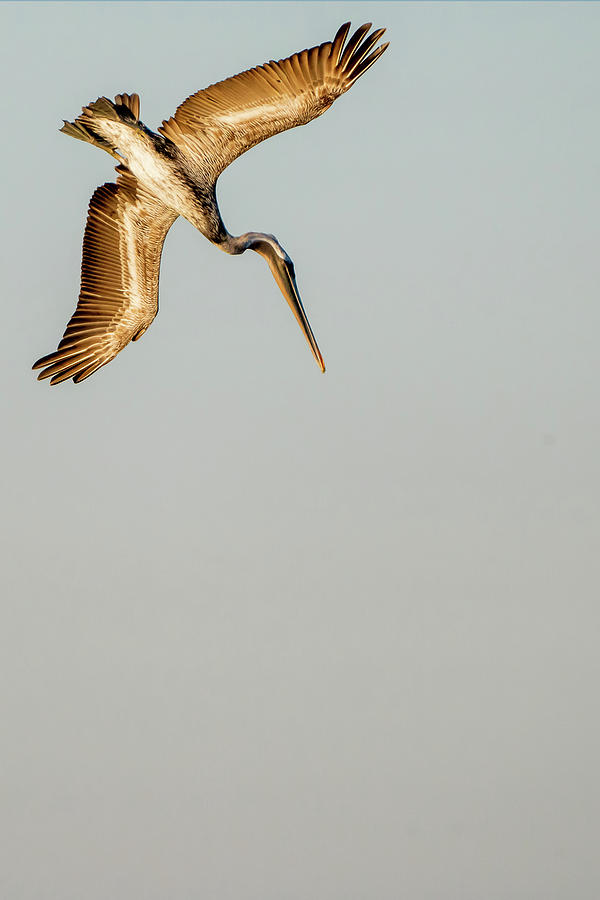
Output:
[[174, 173]]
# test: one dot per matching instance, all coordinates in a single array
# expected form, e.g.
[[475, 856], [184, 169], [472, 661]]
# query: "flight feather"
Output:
[[122, 245], [224, 120]]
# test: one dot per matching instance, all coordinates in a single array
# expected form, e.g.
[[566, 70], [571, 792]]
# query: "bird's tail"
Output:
[[125, 109]]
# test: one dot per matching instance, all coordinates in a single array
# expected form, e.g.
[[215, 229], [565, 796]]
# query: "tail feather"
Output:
[[125, 109], [130, 102], [80, 132], [102, 108]]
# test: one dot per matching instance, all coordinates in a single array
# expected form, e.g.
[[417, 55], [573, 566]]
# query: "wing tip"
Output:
[[352, 57], [41, 361]]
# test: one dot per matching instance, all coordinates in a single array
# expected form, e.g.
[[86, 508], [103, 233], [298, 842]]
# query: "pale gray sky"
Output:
[[273, 635]]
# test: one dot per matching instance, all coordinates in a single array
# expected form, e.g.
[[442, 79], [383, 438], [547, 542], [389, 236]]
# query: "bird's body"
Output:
[[179, 182], [174, 173]]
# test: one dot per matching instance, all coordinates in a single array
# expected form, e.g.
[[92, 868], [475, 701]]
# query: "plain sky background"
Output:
[[273, 635]]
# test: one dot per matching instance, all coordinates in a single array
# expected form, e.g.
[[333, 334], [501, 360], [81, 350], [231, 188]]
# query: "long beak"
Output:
[[284, 275]]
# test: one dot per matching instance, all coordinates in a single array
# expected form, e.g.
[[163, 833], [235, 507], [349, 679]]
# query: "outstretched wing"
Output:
[[122, 245], [224, 120]]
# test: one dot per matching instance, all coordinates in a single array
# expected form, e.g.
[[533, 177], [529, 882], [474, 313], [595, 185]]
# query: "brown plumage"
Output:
[[126, 228], [162, 176], [234, 115]]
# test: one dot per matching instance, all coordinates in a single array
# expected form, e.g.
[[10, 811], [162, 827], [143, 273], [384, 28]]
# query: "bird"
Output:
[[173, 172]]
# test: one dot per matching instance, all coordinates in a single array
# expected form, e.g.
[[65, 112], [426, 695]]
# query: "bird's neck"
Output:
[[252, 240]]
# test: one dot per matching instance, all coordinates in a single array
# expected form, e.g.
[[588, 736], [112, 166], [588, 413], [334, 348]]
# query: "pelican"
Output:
[[174, 173]]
